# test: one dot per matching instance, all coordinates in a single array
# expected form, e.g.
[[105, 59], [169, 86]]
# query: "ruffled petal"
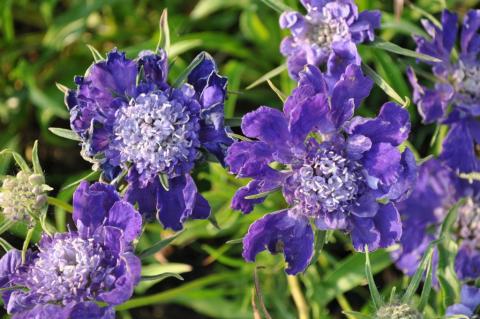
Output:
[[383, 162], [91, 310], [124, 216], [470, 40], [458, 149], [364, 28], [279, 232], [249, 159], [268, 125], [155, 68], [92, 202], [9, 265]]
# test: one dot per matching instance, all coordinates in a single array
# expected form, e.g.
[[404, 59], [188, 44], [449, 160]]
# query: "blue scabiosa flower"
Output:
[[455, 98], [341, 172], [72, 272], [437, 189], [469, 305], [328, 33], [129, 118]]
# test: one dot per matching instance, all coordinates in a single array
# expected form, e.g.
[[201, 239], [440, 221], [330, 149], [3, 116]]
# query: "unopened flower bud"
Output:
[[398, 311]]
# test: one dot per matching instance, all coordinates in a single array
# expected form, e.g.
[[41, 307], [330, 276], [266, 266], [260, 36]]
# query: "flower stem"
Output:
[[28, 238], [298, 298]]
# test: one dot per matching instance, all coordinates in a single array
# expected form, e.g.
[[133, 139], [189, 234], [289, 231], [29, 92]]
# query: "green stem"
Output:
[[60, 204], [28, 238], [298, 298], [6, 226]]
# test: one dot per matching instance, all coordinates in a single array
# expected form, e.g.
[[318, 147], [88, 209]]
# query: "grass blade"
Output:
[[267, 76], [393, 48], [65, 133], [384, 85], [158, 246], [376, 297]]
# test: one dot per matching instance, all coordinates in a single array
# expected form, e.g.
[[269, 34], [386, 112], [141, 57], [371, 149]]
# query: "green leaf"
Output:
[[37, 168], [262, 194], [357, 315], [150, 270], [196, 61], [383, 85], [376, 297], [65, 133], [392, 47], [89, 176], [158, 246], [277, 91], [269, 75], [418, 275], [164, 37], [62, 88], [239, 137], [320, 241], [233, 122], [164, 181], [60, 204], [427, 287], [447, 251], [277, 5], [161, 277], [234, 241], [97, 57], [5, 245], [6, 225], [18, 159]]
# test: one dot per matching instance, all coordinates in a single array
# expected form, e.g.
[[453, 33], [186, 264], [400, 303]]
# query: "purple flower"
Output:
[[71, 272], [469, 304], [342, 172], [327, 34], [457, 84], [129, 118], [437, 189]]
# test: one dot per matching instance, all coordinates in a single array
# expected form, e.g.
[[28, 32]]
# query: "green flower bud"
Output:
[[23, 196], [398, 311]]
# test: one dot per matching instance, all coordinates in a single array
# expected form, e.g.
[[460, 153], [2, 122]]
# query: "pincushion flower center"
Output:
[[69, 269], [467, 80], [328, 183], [469, 222], [324, 29], [155, 133]]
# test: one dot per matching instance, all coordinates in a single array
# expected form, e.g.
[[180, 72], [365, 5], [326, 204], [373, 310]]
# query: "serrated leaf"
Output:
[[196, 61], [393, 48], [267, 76], [384, 85], [65, 133], [161, 277], [97, 57], [37, 168], [158, 246], [277, 5], [164, 37], [376, 297]]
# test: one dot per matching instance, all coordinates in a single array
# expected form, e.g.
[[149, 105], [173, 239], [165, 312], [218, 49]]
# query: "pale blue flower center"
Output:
[[70, 269], [154, 133], [467, 80], [328, 184], [325, 29], [469, 222]]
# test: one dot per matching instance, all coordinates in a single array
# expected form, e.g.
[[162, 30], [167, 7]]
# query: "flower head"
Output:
[[457, 83], [398, 311], [343, 172], [436, 191], [329, 33], [469, 305], [23, 196], [71, 272], [130, 119]]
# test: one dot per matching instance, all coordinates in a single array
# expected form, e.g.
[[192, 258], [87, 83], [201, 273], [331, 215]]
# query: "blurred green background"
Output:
[[44, 42]]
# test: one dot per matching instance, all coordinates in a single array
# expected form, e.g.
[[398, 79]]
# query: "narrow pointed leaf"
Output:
[[18, 159], [269, 75], [65, 133], [164, 181], [234, 241], [392, 47], [37, 168], [5, 245], [60, 204], [233, 122], [357, 315], [277, 5], [262, 194], [158, 246], [383, 84], [6, 225], [92, 175], [277, 91], [239, 137], [427, 287], [97, 57], [164, 37], [62, 88], [376, 297], [162, 276], [196, 61]]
